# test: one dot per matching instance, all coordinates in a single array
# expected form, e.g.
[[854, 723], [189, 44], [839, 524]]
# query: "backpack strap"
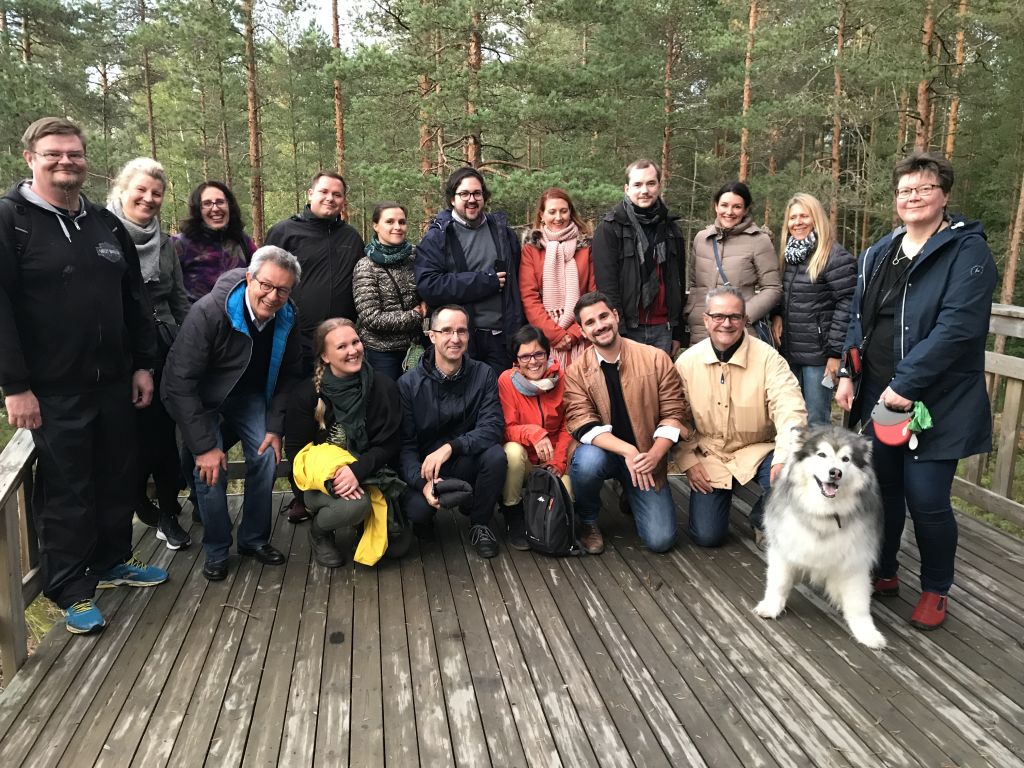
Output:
[[20, 224]]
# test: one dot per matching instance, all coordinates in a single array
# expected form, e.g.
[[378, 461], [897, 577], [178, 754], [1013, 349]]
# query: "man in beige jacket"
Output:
[[746, 403], [624, 403]]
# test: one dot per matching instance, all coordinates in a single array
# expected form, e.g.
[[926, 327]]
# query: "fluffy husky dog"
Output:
[[823, 520]]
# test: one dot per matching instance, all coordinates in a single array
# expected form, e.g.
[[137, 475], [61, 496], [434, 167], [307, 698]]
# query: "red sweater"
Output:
[[531, 280], [530, 419]]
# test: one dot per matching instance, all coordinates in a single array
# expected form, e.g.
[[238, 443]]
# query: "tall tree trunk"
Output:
[[252, 100], [865, 223], [225, 148], [923, 135], [147, 84], [837, 122], [748, 62], [902, 124], [667, 103], [26, 39], [1012, 255], [773, 140], [103, 71], [954, 105], [339, 107], [204, 138], [475, 61]]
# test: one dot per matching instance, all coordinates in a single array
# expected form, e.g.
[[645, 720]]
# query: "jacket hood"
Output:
[[309, 217], [21, 194], [225, 284], [618, 213], [533, 237], [444, 219]]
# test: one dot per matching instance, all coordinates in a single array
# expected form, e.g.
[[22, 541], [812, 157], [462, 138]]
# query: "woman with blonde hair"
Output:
[[818, 278], [342, 428], [554, 271], [135, 198]]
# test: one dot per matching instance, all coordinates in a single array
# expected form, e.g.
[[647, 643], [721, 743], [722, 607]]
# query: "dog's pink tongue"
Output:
[[829, 490]]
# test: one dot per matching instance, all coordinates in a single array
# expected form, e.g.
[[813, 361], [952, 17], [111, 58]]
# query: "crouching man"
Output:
[[624, 403], [452, 429], [746, 402], [232, 365]]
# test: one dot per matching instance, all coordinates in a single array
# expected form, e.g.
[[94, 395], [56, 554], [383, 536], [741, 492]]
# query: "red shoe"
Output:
[[887, 587], [297, 511], [930, 611]]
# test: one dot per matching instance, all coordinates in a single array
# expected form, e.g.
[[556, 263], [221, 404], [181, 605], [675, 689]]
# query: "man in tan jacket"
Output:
[[746, 403], [624, 403]]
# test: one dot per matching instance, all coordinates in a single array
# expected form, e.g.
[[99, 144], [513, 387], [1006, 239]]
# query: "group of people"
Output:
[[401, 379]]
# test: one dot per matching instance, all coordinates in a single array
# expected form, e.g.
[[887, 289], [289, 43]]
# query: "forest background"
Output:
[[801, 95]]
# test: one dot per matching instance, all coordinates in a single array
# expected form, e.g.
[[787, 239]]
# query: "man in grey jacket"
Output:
[[233, 364]]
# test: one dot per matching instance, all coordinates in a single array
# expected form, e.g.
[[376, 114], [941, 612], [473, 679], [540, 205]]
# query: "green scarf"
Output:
[[388, 255], [347, 396]]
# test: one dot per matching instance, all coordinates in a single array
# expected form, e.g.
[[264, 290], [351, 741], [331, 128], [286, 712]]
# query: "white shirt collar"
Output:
[[252, 315]]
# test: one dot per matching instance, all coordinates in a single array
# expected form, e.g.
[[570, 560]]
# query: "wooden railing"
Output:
[[21, 583], [1005, 375]]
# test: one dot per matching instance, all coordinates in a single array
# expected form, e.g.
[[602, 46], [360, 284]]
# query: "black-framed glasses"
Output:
[[266, 287], [923, 190], [208, 204], [527, 357], [719, 317], [474, 194], [462, 333], [53, 156]]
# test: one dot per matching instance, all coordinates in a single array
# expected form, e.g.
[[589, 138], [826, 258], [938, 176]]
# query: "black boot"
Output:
[[515, 526], [325, 550]]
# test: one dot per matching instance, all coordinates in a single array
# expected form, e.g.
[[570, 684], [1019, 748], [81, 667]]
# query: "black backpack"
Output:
[[550, 519]]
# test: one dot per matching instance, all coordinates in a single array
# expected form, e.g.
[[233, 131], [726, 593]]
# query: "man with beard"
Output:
[[452, 428], [471, 258], [77, 349], [624, 403], [639, 261], [327, 249]]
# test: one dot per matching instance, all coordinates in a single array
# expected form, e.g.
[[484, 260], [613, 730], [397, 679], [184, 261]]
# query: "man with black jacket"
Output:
[[77, 348], [327, 249], [232, 368], [471, 258], [452, 428], [640, 263]]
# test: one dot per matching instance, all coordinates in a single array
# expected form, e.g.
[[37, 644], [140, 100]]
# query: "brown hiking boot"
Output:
[[591, 539]]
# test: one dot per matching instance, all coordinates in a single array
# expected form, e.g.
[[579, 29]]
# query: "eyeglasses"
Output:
[[449, 332], [719, 318], [53, 156], [475, 194], [924, 190], [208, 204], [283, 292], [532, 356]]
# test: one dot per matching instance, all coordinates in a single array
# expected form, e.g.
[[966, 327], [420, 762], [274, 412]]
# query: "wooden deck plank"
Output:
[[534, 733], [367, 746], [434, 739], [469, 742], [396, 676], [298, 742], [333, 716]]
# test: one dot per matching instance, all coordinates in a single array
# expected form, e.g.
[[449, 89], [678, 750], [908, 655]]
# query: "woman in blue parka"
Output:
[[919, 322]]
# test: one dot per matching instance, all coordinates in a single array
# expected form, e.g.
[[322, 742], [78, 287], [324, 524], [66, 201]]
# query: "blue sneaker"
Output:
[[83, 617], [134, 573]]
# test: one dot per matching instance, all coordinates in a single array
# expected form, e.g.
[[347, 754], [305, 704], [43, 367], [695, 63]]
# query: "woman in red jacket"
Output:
[[531, 401], [555, 270]]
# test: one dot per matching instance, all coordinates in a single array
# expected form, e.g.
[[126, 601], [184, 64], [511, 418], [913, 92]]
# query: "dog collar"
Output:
[[838, 521]]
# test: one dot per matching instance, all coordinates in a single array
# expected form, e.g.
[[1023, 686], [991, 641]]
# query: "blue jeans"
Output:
[[653, 511], [924, 487], [245, 415], [388, 363], [817, 398], [659, 336], [709, 512]]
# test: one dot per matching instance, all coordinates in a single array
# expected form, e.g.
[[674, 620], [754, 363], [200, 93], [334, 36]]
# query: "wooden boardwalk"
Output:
[[444, 659]]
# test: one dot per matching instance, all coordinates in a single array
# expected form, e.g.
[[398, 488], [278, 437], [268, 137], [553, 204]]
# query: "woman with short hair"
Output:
[[554, 271], [135, 198], [736, 247], [212, 238]]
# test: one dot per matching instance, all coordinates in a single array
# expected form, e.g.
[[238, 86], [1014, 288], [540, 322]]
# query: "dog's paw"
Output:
[[769, 609], [870, 638]]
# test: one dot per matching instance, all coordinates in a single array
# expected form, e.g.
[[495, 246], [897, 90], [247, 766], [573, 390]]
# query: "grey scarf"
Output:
[[656, 216], [147, 242]]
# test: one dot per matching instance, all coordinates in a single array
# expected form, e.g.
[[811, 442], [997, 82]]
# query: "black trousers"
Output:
[[484, 471], [85, 488], [490, 348], [158, 454]]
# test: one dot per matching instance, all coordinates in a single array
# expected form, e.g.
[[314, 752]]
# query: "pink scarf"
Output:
[[561, 287]]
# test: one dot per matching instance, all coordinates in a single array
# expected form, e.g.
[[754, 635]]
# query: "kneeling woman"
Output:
[[531, 401], [342, 429]]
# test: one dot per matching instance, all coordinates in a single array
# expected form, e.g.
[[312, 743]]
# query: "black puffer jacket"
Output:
[[815, 315]]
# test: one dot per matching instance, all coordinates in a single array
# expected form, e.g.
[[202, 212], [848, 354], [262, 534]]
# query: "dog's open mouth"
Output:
[[828, 490]]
